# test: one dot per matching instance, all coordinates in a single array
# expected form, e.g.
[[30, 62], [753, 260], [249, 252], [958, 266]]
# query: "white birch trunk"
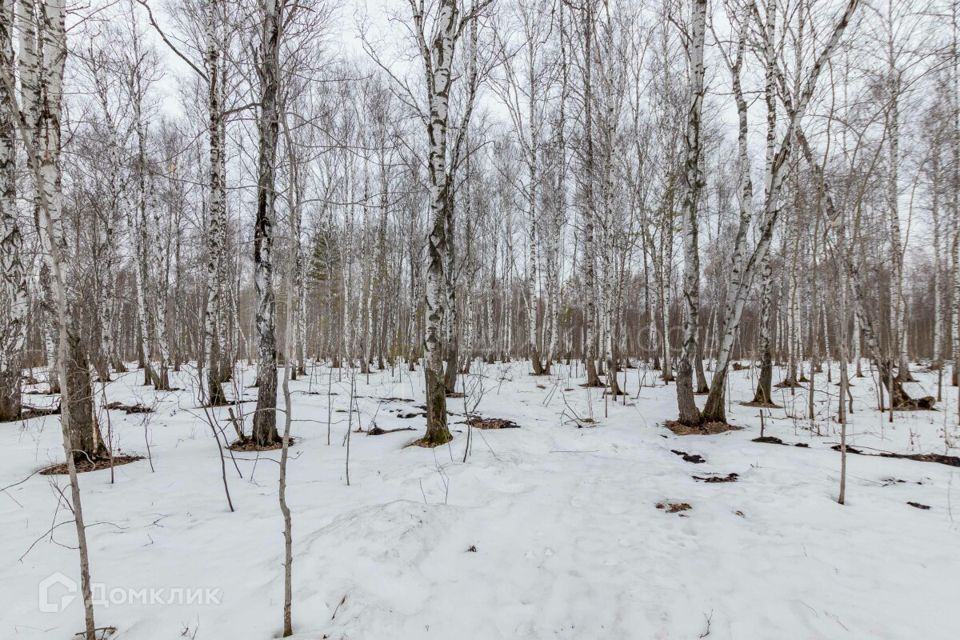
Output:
[[265, 419], [14, 283]]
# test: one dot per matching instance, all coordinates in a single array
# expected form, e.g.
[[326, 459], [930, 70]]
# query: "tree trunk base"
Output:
[[217, 398], [427, 443], [10, 398], [762, 404], [249, 444], [84, 464], [788, 383], [436, 402], [702, 429]]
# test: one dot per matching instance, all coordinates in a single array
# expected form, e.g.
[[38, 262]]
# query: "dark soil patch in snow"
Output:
[[88, 464], [761, 405], [705, 429], [776, 440], [129, 408], [917, 505], [730, 477], [377, 431], [850, 449], [479, 422], [888, 482], [695, 458], [674, 507], [926, 403], [454, 394], [412, 414], [248, 444], [950, 461]]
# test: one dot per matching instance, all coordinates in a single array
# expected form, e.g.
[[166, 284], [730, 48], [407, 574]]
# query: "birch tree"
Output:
[[14, 296], [265, 419], [436, 34], [693, 183], [528, 70], [43, 55], [585, 186], [776, 170]]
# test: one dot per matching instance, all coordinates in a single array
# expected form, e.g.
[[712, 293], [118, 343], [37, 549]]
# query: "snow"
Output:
[[569, 542]]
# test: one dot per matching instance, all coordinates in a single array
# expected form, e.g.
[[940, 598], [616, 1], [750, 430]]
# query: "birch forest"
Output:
[[479, 319]]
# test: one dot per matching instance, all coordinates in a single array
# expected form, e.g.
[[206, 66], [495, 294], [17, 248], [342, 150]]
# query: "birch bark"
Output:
[[265, 419], [14, 292], [693, 182]]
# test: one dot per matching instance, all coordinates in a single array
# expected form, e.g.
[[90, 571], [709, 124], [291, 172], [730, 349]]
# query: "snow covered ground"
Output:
[[568, 540]]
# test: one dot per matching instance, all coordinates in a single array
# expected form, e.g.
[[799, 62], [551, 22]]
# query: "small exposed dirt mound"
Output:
[[768, 440], [248, 444], [926, 403], [705, 429], [87, 464], [850, 449], [888, 482], [674, 507], [479, 422], [377, 431], [730, 477], [129, 408], [950, 461], [695, 458]]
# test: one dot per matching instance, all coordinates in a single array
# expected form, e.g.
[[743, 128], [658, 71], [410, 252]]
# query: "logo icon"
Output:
[[48, 599]]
